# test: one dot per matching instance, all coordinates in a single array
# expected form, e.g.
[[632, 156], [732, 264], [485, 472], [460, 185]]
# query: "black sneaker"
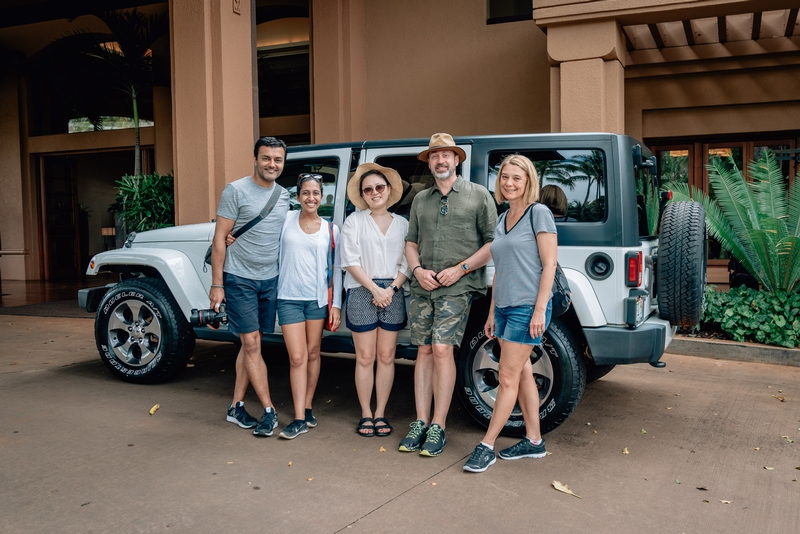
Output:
[[294, 429], [524, 449], [238, 415], [414, 439], [311, 421], [269, 422], [480, 460], [434, 441]]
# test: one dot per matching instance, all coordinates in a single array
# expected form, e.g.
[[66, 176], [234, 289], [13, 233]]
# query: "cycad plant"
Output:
[[755, 220]]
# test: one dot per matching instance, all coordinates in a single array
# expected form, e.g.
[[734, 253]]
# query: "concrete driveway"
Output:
[[80, 452]]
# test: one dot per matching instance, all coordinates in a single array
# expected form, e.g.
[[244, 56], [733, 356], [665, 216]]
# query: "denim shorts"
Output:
[[251, 304], [364, 316], [514, 324], [298, 311]]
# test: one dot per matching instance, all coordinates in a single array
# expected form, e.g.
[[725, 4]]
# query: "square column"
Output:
[[213, 109]]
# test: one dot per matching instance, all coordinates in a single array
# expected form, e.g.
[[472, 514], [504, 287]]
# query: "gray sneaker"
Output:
[[269, 422], [414, 439], [294, 429], [239, 416], [311, 421], [480, 460], [524, 449], [434, 441]]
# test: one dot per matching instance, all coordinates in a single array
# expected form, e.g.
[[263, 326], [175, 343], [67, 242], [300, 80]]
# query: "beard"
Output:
[[443, 175]]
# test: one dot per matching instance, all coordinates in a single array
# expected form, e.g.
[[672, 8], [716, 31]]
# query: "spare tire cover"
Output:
[[681, 264]]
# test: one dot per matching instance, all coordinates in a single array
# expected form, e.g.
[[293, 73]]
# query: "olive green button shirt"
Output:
[[447, 240]]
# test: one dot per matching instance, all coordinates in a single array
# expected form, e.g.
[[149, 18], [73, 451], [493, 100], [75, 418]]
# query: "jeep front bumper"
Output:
[[610, 345]]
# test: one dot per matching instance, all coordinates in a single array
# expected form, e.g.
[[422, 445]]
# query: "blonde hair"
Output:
[[532, 185], [554, 198]]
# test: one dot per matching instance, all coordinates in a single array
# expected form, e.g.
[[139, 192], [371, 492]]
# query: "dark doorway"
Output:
[[61, 219]]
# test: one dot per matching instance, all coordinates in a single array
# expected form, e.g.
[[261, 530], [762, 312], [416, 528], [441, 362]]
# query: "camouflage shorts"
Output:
[[440, 320]]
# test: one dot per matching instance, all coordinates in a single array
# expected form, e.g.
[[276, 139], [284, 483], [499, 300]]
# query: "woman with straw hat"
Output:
[[373, 254]]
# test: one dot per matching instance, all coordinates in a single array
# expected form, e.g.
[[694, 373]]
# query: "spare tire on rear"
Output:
[[681, 264]]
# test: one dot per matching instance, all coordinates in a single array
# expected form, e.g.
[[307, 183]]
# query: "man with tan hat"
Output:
[[451, 226]]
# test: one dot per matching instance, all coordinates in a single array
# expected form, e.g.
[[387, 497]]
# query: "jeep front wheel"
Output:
[[141, 334], [559, 373]]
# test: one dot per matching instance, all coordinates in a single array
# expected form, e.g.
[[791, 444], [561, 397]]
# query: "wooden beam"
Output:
[[722, 29], [790, 22], [756, 25], [689, 31], [656, 35]]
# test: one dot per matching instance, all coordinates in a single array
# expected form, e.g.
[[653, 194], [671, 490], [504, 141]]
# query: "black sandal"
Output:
[[361, 427], [385, 429]]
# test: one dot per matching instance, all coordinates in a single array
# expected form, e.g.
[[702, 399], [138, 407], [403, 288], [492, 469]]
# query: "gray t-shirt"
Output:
[[254, 255], [515, 253]]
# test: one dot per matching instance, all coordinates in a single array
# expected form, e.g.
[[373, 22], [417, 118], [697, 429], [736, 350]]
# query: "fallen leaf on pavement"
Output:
[[725, 502], [382, 449], [433, 483], [548, 453], [290, 463], [563, 488], [669, 407], [328, 400], [757, 449], [769, 468], [787, 438], [588, 424], [230, 463], [154, 409], [677, 394], [780, 397], [702, 488], [625, 451], [780, 391], [310, 479], [644, 431], [594, 431], [706, 500], [677, 481]]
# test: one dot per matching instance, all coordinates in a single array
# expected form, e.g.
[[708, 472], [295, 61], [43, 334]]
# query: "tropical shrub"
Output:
[[145, 202], [747, 314], [757, 221]]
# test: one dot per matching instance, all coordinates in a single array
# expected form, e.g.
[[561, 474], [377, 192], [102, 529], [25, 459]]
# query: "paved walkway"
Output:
[[80, 453]]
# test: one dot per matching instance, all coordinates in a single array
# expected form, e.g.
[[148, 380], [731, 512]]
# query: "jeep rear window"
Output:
[[579, 173], [328, 167]]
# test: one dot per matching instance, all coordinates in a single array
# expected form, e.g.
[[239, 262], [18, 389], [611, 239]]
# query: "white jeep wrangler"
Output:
[[631, 283]]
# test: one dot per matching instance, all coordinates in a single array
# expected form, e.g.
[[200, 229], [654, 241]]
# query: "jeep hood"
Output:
[[186, 232]]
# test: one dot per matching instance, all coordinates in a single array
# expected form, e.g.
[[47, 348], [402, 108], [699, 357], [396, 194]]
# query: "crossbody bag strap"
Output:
[[331, 254], [264, 212]]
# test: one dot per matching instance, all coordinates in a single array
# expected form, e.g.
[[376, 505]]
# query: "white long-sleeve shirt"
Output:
[[364, 245]]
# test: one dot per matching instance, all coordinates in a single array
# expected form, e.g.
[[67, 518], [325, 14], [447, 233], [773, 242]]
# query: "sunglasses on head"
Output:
[[380, 188], [307, 176]]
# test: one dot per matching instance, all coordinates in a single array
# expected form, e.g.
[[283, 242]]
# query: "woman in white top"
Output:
[[303, 296], [373, 254]]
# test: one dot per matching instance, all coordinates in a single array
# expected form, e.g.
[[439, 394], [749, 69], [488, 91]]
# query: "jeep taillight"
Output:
[[635, 266]]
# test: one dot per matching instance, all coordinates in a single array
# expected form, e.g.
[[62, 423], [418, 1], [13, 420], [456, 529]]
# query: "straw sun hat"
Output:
[[354, 185]]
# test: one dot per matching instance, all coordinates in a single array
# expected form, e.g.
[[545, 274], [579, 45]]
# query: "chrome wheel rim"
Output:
[[134, 333]]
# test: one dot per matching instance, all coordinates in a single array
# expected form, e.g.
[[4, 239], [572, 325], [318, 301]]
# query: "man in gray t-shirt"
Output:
[[245, 275]]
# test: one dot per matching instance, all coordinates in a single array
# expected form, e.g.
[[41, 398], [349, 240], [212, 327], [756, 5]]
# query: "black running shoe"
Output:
[[434, 441], [480, 460], [414, 439], [269, 422], [238, 415], [311, 421], [294, 429], [524, 449]]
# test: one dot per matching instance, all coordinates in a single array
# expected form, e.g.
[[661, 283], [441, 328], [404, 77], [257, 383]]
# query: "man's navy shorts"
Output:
[[252, 304]]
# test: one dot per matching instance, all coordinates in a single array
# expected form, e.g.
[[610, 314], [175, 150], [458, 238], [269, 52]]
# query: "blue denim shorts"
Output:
[[514, 324], [298, 311], [251, 304]]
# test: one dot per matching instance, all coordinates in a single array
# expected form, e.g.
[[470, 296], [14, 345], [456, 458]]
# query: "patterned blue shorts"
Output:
[[363, 316]]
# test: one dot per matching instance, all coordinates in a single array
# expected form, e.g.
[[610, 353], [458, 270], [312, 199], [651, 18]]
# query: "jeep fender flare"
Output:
[[174, 267], [584, 300]]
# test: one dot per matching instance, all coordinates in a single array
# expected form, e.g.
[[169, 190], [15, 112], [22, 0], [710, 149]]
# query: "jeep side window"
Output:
[[328, 167], [579, 173]]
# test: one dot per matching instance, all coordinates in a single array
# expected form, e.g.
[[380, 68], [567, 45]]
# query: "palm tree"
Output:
[[757, 221], [124, 57]]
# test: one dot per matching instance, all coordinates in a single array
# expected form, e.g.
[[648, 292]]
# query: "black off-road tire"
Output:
[[681, 266], [141, 334], [596, 372], [560, 377]]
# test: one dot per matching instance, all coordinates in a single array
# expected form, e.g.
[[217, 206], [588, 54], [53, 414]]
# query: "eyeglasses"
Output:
[[306, 177], [443, 209], [380, 188]]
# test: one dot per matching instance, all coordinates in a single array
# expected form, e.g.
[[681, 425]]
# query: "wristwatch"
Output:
[[396, 289], [465, 267]]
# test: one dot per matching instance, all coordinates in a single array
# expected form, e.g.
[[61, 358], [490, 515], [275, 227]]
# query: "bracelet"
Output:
[[217, 285], [414, 269]]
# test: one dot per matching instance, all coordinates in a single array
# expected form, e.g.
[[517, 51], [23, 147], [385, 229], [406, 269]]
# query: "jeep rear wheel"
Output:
[[141, 334], [559, 373], [681, 266]]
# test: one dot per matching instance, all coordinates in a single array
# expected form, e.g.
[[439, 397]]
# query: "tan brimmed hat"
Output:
[[442, 141], [354, 185]]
